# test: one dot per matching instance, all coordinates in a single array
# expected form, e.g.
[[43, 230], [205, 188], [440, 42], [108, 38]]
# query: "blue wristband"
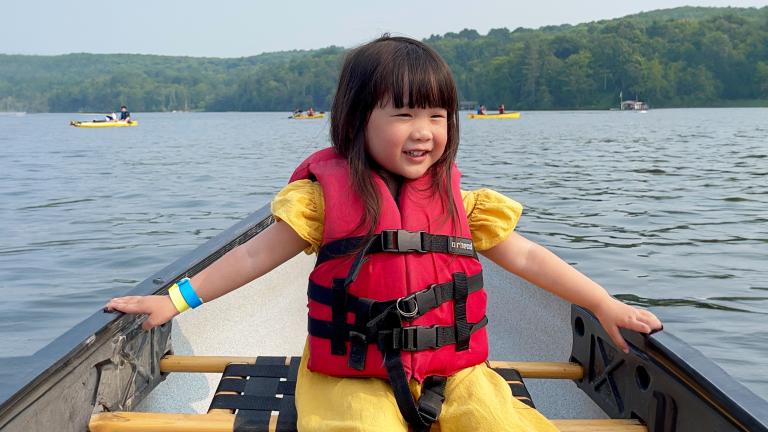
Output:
[[189, 294]]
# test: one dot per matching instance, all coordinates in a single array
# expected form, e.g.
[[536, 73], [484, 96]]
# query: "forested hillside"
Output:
[[676, 57]]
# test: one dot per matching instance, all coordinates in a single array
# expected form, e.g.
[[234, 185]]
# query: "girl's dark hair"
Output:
[[398, 70]]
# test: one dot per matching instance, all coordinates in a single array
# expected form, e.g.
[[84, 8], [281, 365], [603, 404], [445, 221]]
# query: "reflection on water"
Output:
[[666, 210]]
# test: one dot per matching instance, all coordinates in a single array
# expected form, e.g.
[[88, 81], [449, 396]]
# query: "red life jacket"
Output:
[[417, 294]]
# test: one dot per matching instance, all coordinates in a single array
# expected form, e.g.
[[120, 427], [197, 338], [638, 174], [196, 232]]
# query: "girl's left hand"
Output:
[[613, 314]]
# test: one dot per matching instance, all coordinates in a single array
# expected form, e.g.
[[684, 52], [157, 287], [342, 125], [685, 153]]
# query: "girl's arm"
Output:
[[541, 267], [258, 256]]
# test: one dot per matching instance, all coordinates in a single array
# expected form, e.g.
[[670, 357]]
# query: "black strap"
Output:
[[420, 302], [359, 340], [432, 397], [399, 241], [337, 248], [269, 385], [339, 302], [338, 317], [463, 328], [415, 338], [420, 416]]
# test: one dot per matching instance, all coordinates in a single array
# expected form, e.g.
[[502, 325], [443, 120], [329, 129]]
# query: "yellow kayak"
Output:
[[103, 124], [509, 115], [306, 117]]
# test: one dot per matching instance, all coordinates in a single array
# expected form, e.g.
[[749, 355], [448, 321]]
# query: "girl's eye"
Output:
[[439, 116], [404, 115]]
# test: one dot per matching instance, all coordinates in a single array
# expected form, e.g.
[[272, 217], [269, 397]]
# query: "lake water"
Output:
[[667, 209]]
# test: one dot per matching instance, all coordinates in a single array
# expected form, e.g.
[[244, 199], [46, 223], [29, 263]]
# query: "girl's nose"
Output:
[[422, 132]]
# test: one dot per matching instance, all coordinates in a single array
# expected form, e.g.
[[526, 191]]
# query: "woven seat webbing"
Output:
[[262, 382], [266, 386]]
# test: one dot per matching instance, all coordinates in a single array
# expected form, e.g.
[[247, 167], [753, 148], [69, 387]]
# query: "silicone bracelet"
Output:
[[185, 287], [177, 298]]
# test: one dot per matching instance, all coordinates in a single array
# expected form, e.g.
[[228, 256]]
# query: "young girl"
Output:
[[397, 320]]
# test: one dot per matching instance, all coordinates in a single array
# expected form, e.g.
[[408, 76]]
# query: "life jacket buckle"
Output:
[[417, 338], [357, 338], [409, 311], [428, 413], [402, 241]]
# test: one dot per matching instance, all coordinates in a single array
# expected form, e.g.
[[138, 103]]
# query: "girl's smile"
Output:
[[406, 141]]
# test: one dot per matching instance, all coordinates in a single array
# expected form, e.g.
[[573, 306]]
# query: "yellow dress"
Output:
[[476, 398]]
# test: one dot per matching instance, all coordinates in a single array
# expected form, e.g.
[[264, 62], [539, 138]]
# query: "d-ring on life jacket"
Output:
[[405, 303]]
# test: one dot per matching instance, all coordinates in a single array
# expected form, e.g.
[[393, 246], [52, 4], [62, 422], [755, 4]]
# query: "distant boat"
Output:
[[633, 105], [103, 124], [509, 115], [307, 117]]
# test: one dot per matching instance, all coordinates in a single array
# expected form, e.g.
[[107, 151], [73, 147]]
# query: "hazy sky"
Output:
[[235, 28]]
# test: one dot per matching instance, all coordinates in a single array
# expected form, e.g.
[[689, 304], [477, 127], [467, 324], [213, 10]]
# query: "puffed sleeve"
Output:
[[300, 204], [491, 216]]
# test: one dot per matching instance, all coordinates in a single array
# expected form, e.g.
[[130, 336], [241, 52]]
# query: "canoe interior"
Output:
[[106, 363]]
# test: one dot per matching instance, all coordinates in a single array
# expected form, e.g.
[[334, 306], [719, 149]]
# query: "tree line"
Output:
[[676, 57]]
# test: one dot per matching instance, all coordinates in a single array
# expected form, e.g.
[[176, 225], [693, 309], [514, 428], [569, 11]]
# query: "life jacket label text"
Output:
[[462, 246]]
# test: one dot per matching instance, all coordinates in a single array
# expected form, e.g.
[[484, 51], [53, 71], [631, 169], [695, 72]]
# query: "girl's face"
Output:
[[406, 141]]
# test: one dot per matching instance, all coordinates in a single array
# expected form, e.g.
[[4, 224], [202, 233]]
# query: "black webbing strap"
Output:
[[398, 241], [337, 248], [247, 386], [437, 294], [420, 416], [415, 338], [463, 328], [338, 317], [358, 340], [339, 302], [432, 397], [420, 302]]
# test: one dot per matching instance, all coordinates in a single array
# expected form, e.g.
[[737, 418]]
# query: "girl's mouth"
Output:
[[415, 153]]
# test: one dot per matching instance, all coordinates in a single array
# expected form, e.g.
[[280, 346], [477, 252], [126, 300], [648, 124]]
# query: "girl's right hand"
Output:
[[614, 314], [160, 308]]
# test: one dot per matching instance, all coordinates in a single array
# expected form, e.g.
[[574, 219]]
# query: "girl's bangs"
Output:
[[414, 78]]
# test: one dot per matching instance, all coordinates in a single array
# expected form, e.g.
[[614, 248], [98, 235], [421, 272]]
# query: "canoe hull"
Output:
[[112, 370]]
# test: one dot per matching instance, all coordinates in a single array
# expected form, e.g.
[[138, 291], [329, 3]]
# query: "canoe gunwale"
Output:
[[663, 381]]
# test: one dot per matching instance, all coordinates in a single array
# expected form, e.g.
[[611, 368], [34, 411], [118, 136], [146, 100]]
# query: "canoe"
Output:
[[104, 124], [306, 117], [509, 115], [107, 374]]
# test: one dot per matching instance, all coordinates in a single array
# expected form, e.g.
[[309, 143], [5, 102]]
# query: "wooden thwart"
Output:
[[216, 364], [600, 425], [217, 422], [145, 422]]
